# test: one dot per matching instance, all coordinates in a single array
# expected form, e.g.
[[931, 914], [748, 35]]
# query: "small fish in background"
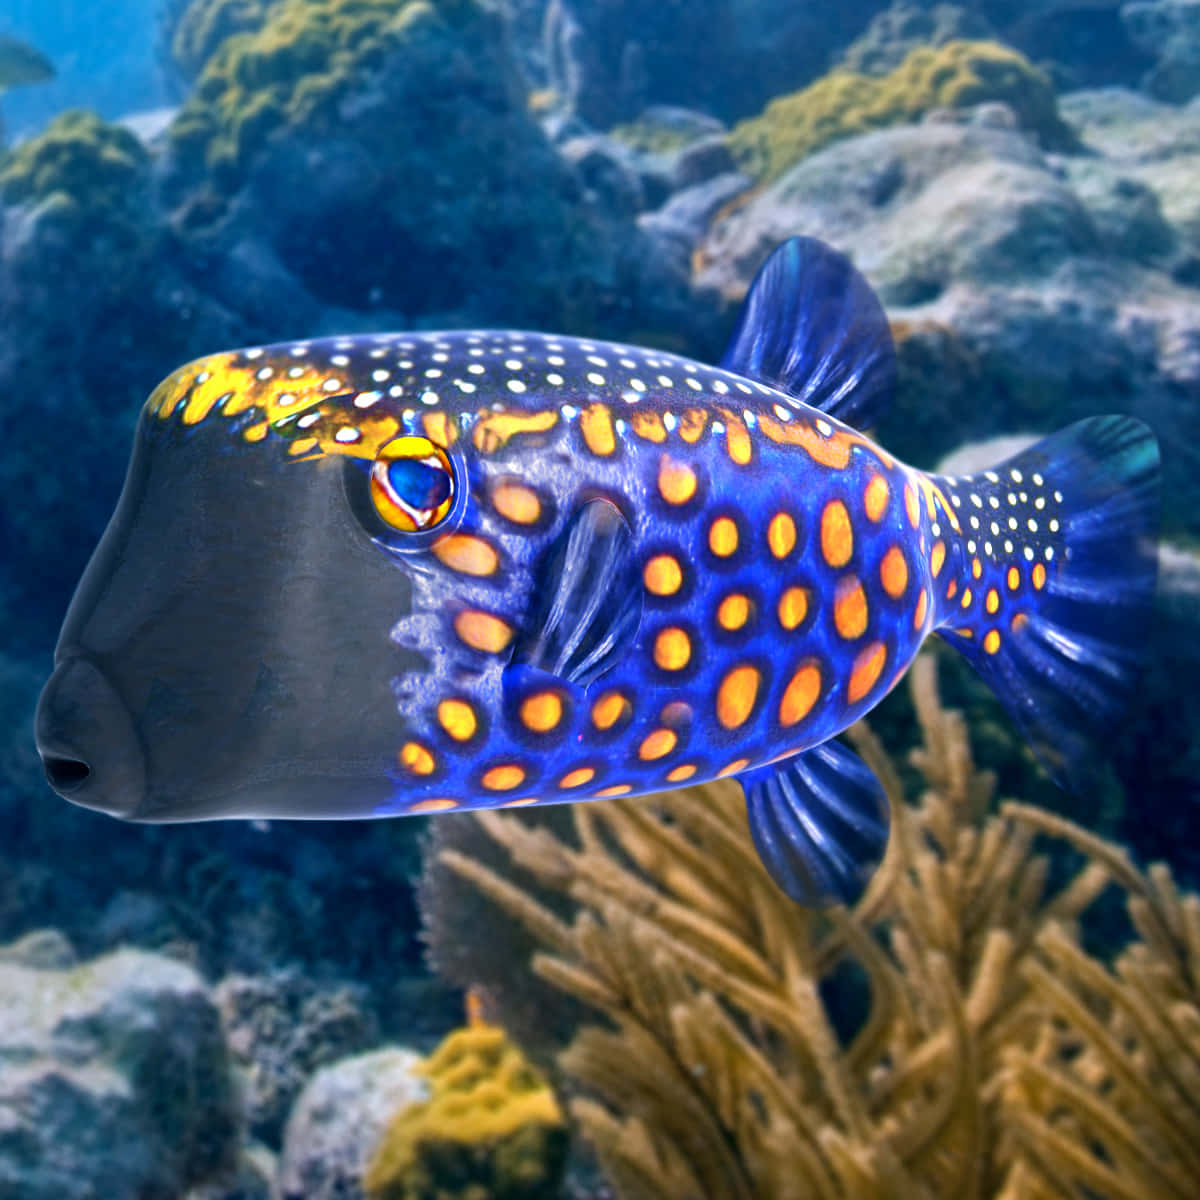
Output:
[[20, 65], [427, 572]]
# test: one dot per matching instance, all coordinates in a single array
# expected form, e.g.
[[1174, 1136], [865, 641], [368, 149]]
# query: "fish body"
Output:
[[427, 572]]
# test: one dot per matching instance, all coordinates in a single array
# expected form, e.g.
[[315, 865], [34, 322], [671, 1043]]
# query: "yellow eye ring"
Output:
[[412, 484]]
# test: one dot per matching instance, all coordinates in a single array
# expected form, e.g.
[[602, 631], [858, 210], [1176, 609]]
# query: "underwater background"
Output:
[[611, 999]]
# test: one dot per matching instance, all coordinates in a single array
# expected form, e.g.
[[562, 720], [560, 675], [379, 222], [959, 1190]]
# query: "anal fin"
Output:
[[820, 824]]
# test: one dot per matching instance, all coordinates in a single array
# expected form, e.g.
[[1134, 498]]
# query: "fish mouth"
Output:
[[90, 750]]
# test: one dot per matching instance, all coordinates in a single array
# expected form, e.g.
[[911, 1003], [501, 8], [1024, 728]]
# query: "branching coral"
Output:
[[994, 1057]]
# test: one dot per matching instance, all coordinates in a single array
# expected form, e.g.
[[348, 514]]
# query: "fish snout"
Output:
[[90, 749]]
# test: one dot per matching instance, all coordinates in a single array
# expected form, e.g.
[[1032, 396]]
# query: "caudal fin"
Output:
[[1058, 622]]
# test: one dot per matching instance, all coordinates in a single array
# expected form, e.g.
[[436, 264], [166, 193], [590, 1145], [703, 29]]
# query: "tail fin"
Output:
[[1059, 620]]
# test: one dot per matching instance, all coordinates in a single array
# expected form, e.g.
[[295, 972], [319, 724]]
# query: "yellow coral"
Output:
[[993, 1056], [843, 103], [491, 1127]]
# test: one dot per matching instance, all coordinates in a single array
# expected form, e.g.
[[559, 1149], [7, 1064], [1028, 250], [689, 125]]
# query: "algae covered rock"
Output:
[[194, 30], [114, 1081], [956, 75], [491, 1127]]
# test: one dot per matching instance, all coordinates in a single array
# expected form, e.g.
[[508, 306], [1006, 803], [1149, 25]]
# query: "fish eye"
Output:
[[412, 484]]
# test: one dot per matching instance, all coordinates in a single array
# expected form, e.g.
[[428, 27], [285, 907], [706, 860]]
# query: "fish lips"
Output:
[[90, 749]]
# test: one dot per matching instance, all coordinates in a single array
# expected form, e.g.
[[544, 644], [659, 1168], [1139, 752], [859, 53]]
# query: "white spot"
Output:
[[381, 375], [971, 547], [257, 352], [556, 361], [1032, 525], [555, 378], [669, 422], [637, 385], [475, 350], [264, 373], [1029, 553], [1049, 553], [741, 387], [717, 427], [1054, 526], [395, 390], [366, 399], [339, 360], [429, 397], [1017, 477], [596, 361], [433, 373], [1012, 522], [628, 362], [347, 434], [405, 364], [665, 380], [975, 500], [782, 412], [1058, 497], [513, 364], [308, 420], [694, 384], [1039, 503], [285, 399], [1008, 547], [1037, 479], [936, 529], [991, 476], [515, 385], [596, 378], [995, 527], [205, 376], [1012, 497], [824, 428], [332, 385], [476, 368], [464, 386], [441, 358], [720, 386], [295, 372], [988, 548], [569, 412], [620, 426], [956, 500]]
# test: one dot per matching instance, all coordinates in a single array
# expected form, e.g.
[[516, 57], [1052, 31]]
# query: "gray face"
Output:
[[227, 651]]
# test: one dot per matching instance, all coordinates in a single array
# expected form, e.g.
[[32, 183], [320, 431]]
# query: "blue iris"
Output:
[[421, 486]]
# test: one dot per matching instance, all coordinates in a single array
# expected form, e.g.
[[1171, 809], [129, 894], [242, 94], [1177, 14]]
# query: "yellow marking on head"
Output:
[[991, 641], [893, 572], [494, 430], [829, 452], [737, 439], [976, 568], [503, 778], [458, 719], [416, 758], [837, 534], [672, 649], [736, 696], [516, 502], [850, 608], [658, 744], [937, 558], [911, 505], [663, 575], [802, 693], [1039, 576], [922, 609], [596, 425], [992, 601], [646, 423], [733, 612], [864, 675], [578, 777], [440, 428], [618, 789], [723, 537], [781, 535], [483, 631], [875, 498], [676, 481], [466, 554], [542, 712], [433, 806], [680, 773], [793, 607], [966, 598], [692, 424], [1014, 579], [608, 709]]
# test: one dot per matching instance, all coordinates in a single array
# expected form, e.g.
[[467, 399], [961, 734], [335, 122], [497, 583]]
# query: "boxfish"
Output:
[[429, 572]]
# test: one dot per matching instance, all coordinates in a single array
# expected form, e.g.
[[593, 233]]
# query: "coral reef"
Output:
[[895, 32], [192, 31], [958, 74], [950, 1036], [491, 1127]]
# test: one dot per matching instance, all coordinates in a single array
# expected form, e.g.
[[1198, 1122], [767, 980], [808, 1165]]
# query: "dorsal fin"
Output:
[[812, 327]]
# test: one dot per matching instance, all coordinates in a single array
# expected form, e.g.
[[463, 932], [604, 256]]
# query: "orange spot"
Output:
[[723, 537], [875, 498], [837, 535], [648, 424], [1039, 576], [951, 588], [850, 608], [1019, 622], [416, 758], [494, 430], [672, 649], [466, 554], [922, 608], [803, 691], [440, 429], [663, 575], [608, 709], [596, 425], [734, 612], [483, 631], [736, 696], [781, 535], [737, 440], [680, 773], [1014, 579], [829, 452], [692, 423], [676, 481], [864, 675], [992, 603], [937, 558], [302, 446], [738, 764], [577, 777], [256, 433], [793, 607], [991, 641], [658, 744], [976, 568], [520, 803], [458, 719], [893, 572], [618, 789], [503, 778], [432, 806], [966, 598], [516, 502], [542, 712], [912, 505]]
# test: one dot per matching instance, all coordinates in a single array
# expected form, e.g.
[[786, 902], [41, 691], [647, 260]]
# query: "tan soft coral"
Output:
[[994, 1056]]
